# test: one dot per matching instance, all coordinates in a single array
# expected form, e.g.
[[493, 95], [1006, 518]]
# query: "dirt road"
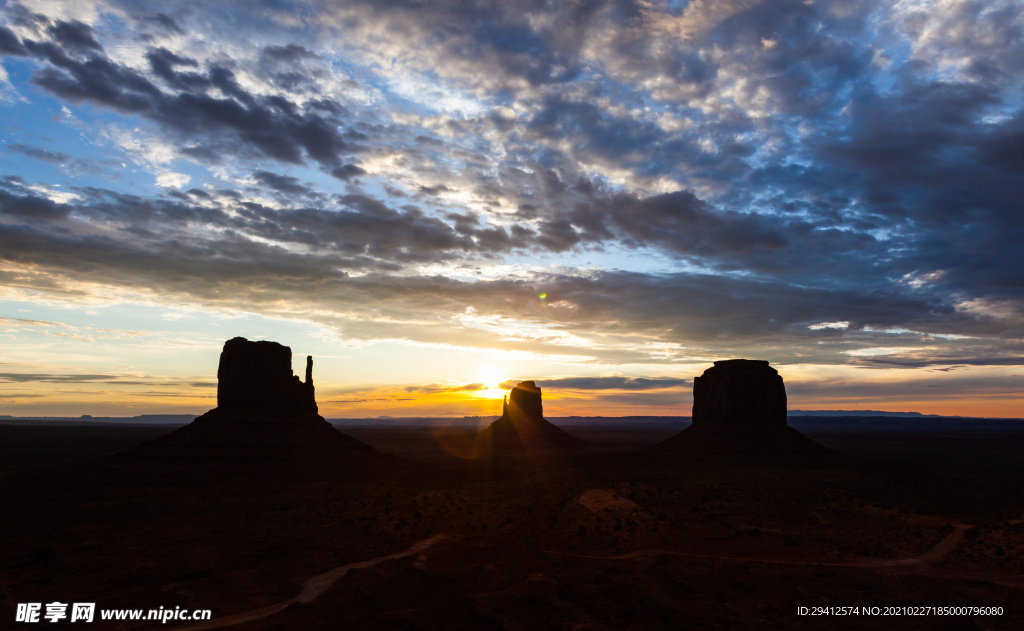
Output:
[[937, 553], [310, 590]]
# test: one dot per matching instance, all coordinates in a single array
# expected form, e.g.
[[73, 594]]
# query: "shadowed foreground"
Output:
[[599, 538]]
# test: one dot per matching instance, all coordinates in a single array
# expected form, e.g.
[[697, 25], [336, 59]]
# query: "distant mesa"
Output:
[[522, 423], [258, 376], [265, 415], [739, 392], [739, 406]]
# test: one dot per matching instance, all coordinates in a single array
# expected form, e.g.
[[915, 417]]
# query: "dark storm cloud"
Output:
[[163, 21], [786, 150], [94, 79], [898, 139], [713, 308], [175, 265], [696, 308], [75, 36], [815, 58], [286, 67], [10, 44], [289, 54], [273, 127], [987, 35], [359, 232], [681, 222], [161, 249], [145, 215], [163, 63], [499, 36], [205, 107], [734, 315], [347, 171], [19, 203], [435, 190], [926, 162], [593, 130], [282, 183], [365, 228]]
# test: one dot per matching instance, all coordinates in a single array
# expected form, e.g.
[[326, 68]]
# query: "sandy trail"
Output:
[[310, 590], [937, 553], [318, 584]]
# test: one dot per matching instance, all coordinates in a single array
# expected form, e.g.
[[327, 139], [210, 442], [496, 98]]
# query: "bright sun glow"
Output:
[[491, 389]]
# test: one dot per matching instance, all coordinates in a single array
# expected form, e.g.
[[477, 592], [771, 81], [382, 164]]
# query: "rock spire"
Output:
[[522, 422]]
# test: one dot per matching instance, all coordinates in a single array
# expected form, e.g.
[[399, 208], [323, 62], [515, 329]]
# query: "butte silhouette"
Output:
[[265, 416], [522, 423], [739, 406]]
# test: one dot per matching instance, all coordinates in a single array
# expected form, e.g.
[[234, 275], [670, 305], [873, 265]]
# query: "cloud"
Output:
[[75, 36], [39, 153], [209, 108], [607, 383], [172, 180], [28, 322], [18, 201], [10, 44], [87, 378], [435, 388], [284, 184], [360, 245], [163, 22], [347, 171], [52, 378], [726, 178], [383, 399]]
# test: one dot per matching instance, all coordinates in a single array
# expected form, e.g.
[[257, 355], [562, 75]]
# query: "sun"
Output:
[[491, 389]]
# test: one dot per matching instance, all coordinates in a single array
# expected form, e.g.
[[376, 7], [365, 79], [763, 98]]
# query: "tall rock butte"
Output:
[[739, 406], [739, 392], [265, 415], [522, 423], [258, 376]]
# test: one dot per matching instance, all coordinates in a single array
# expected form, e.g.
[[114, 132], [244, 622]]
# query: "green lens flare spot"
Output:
[[543, 296]]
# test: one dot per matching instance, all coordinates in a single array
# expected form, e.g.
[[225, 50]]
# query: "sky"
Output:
[[437, 200]]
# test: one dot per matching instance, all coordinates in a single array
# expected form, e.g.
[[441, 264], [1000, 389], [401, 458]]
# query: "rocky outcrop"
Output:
[[522, 422], [526, 405], [258, 376], [739, 392], [265, 417], [739, 407]]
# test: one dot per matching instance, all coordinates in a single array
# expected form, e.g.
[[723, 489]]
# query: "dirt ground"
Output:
[[607, 537]]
